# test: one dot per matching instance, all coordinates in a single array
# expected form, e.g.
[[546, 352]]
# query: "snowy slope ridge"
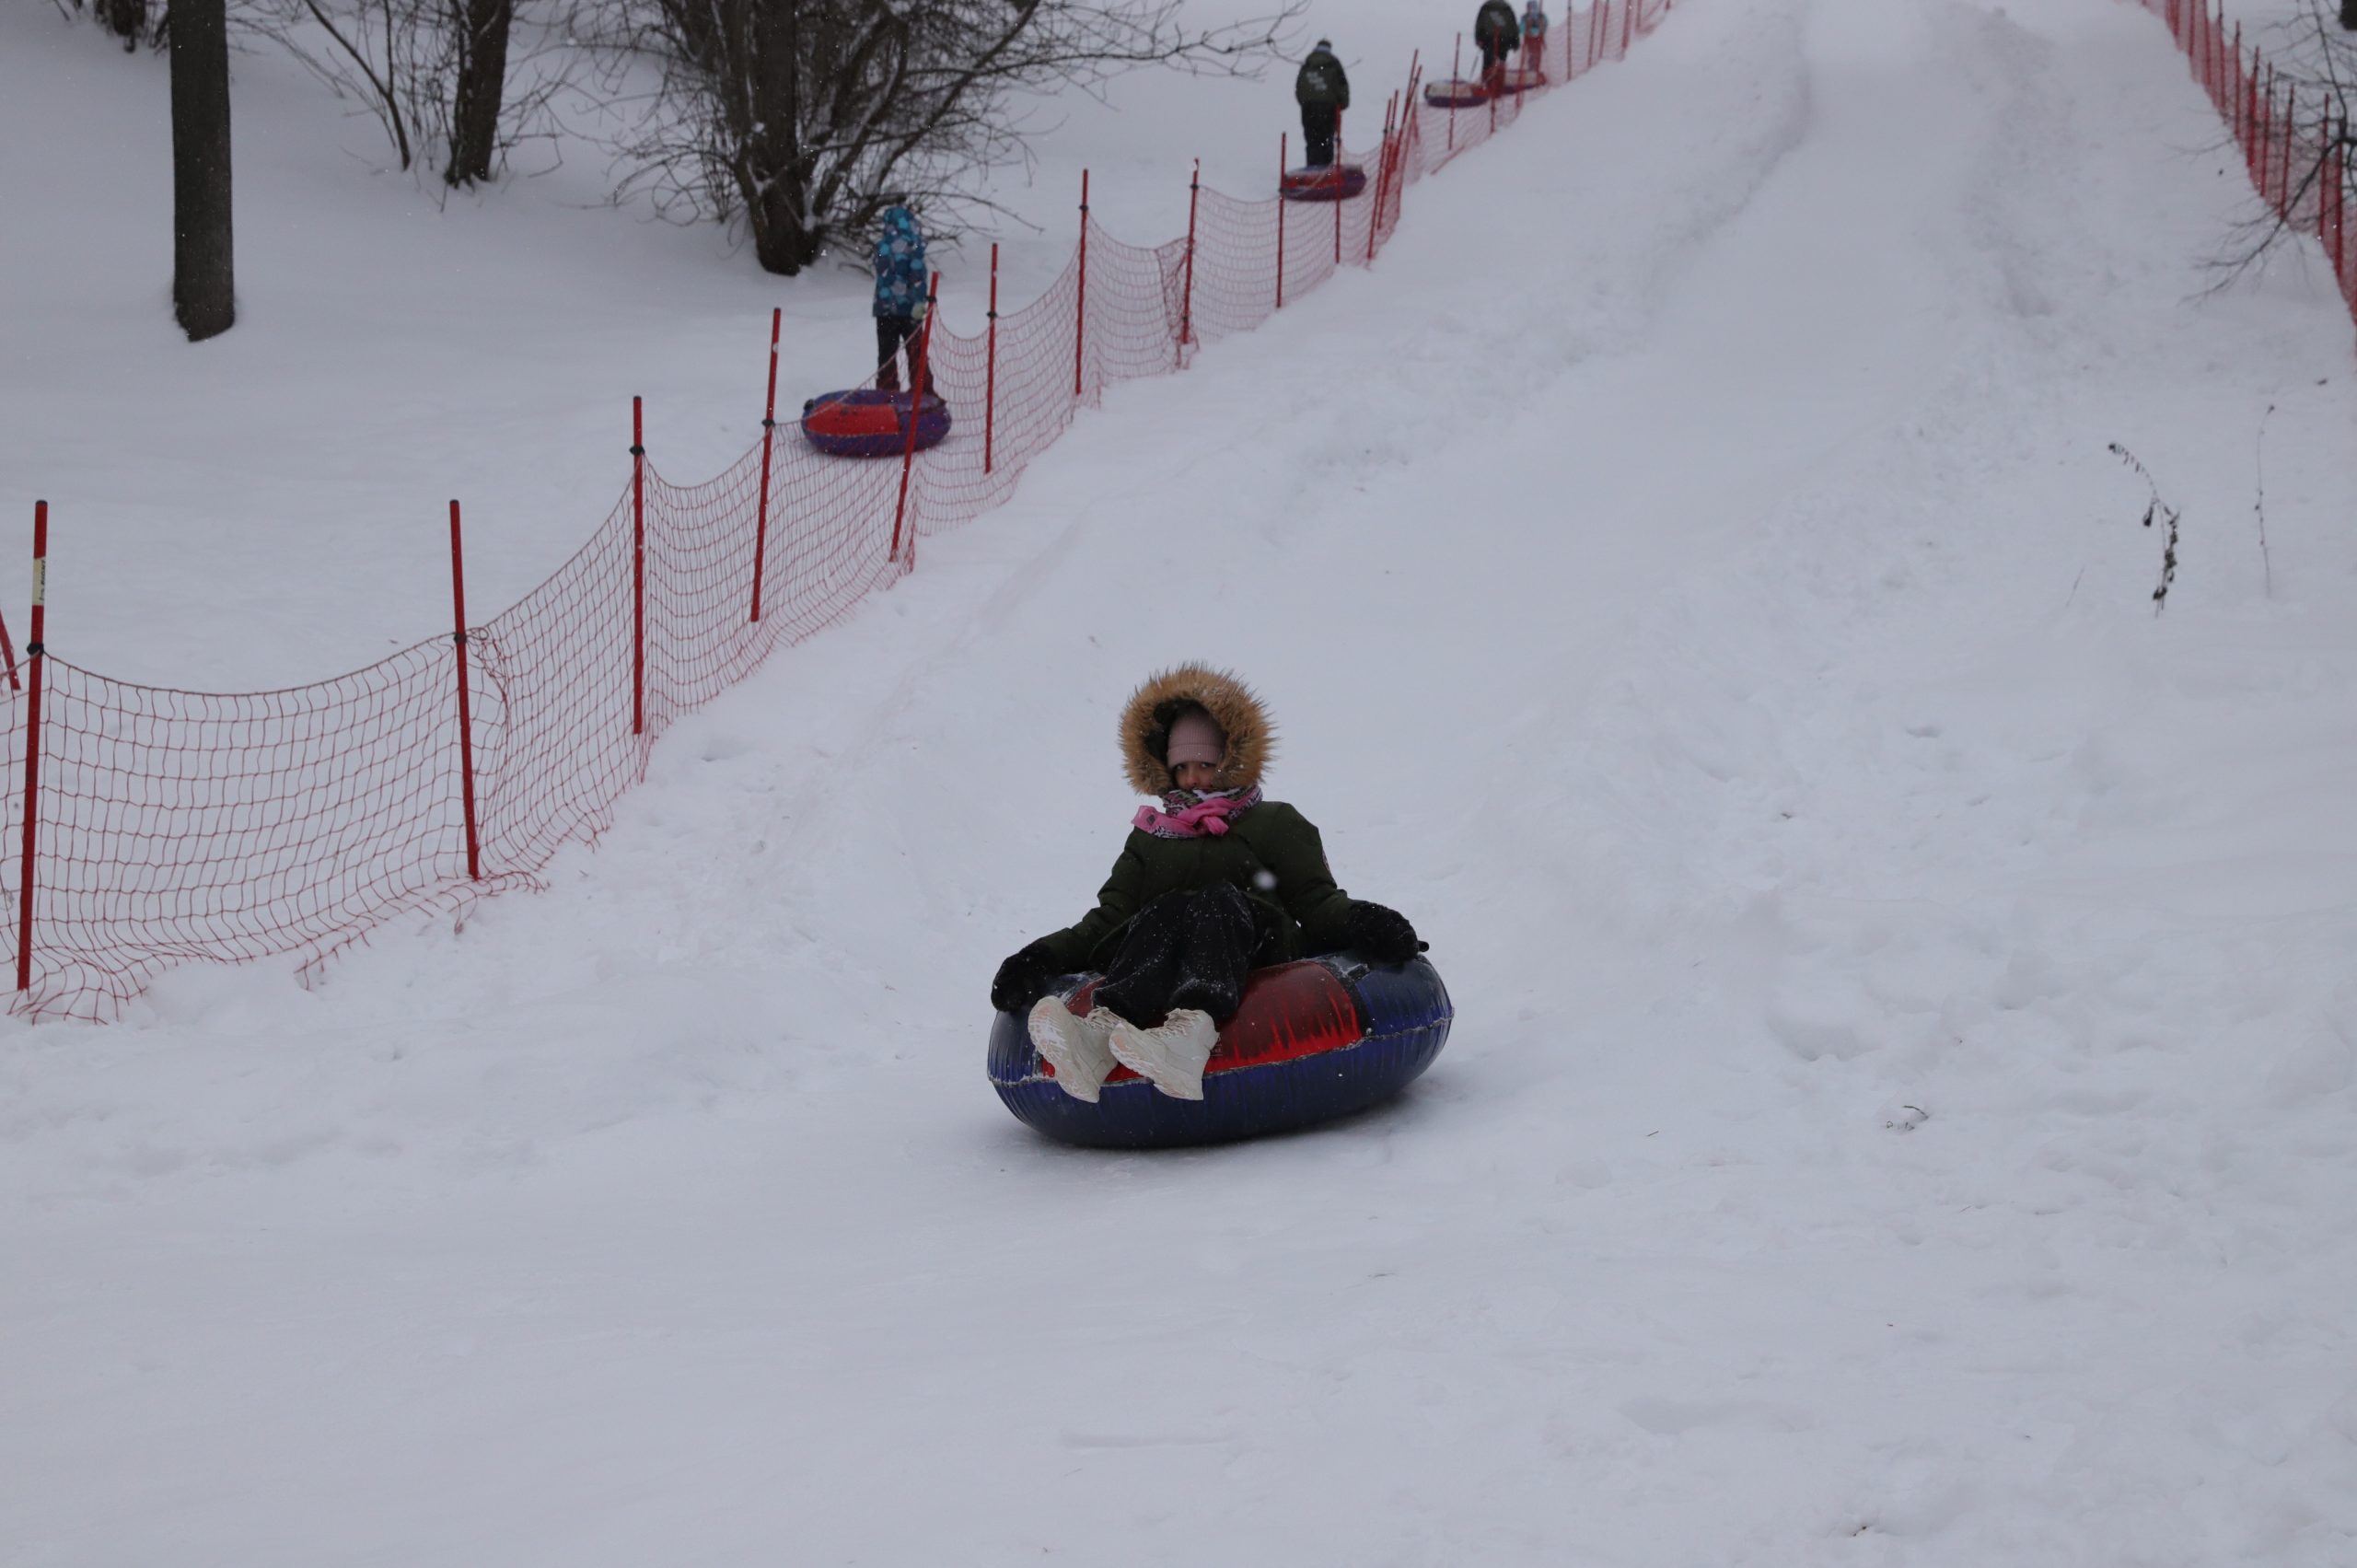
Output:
[[1899, 1109], [232, 827]]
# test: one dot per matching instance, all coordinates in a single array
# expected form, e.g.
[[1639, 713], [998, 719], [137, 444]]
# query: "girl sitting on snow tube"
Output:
[[1212, 884]]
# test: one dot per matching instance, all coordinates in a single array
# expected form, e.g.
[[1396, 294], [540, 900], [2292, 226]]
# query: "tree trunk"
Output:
[[2349, 15], [204, 281], [127, 19], [482, 79], [783, 240], [771, 172]]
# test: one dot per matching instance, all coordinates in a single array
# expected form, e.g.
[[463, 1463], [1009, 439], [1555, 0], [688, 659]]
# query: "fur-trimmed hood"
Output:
[[1146, 718]]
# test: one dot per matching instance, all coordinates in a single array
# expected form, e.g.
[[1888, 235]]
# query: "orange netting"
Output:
[[2293, 137], [174, 826]]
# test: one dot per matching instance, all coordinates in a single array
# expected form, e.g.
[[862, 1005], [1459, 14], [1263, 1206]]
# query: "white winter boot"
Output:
[[1074, 1047], [1171, 1055]]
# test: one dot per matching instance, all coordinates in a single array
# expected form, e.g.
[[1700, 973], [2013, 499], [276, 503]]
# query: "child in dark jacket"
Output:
[[1497, 35], [1323, 90], [1213, 883]]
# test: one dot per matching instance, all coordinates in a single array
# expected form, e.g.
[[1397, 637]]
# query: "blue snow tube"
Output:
[[865, 423], [1312, 1040]]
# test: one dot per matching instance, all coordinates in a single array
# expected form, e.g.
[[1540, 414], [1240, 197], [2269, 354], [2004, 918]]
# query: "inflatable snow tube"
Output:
[[865, 423], [1335, 182], [1523, 78], [1312, 1040], [1457, 92]]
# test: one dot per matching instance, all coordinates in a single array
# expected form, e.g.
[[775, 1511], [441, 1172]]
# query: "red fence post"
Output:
[[2334, 199], [1382, 178], [1411, 126], [1411, 122], [2283, 162], [466, 717], [2281, 195], [1080, 325], [2264, 136], [2246, 79], [1186, 304], [35, 665], [1283, 159], [916, 413], [1628, 17], [637, 569], [769, 431], [989, 368], [1404, 127], [1456, 85], [2250, 110], [1337, 170]]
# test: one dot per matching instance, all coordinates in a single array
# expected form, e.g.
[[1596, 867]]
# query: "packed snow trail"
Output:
[[1898, 1107]]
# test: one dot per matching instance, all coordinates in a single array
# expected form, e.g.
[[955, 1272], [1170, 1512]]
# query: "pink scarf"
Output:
[[1190, 816]]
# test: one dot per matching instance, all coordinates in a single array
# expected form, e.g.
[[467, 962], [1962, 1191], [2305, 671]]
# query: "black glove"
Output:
[[1383, 934], [1022, 979]]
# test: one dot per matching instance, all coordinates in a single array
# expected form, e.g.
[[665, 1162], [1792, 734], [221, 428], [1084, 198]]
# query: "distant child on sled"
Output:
[[1214, 882]]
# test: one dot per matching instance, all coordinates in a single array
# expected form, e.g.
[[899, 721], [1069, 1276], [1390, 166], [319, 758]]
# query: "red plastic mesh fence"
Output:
[[170, 827], [2294, 136]]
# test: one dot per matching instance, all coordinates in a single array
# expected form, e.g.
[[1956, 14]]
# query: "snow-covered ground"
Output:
[[1900, 1108]]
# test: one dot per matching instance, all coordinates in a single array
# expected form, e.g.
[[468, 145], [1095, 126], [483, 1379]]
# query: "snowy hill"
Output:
[[1900, 1110]]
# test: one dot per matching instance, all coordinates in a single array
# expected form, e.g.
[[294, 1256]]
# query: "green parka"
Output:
[[1322, 80], [1496, 26], [1272, 852]]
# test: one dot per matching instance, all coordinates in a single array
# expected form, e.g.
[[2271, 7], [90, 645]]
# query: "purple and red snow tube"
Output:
[[1334, 182], [865, 422], [1311, 1041]]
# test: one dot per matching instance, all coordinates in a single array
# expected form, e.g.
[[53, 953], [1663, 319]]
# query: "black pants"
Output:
[[1190, 949], [891, 333], [1318, 123]]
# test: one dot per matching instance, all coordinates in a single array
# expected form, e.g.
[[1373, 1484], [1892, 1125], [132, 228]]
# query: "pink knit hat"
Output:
[[1195, 738]]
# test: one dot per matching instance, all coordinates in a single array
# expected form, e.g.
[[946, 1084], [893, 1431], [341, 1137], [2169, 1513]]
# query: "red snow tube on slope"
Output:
[[1335, 182], [865, 423]]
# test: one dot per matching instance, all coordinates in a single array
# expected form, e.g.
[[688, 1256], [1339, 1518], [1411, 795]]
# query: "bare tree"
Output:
[[480, 30], [127, 19], [438, 76], [806, 118], [203, 278]]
